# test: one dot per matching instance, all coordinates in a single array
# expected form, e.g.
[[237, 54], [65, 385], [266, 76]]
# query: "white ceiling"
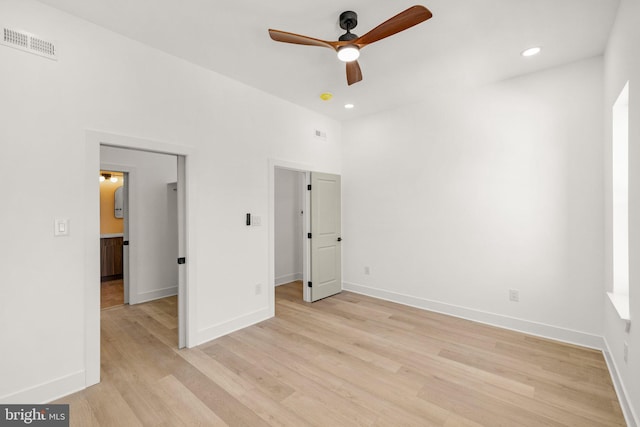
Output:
[[466, 42]]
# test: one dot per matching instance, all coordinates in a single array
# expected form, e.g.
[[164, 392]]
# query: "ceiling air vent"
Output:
[[28, 43]]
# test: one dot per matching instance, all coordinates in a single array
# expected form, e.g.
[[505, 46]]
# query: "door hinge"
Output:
[[308, 235], [309, 284], [182, 260], [309, 187]]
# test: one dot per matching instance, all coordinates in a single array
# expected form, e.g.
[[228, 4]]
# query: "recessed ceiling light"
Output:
[[531, 51], [349, 106]]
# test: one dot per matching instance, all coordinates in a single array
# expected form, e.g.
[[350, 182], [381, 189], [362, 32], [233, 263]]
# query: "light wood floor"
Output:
[[346, 360], [111, 293]]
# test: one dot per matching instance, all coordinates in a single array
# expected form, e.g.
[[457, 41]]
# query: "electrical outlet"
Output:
[[61, 227], [258, 288], [514, 295], [367, 270], [626, 352]]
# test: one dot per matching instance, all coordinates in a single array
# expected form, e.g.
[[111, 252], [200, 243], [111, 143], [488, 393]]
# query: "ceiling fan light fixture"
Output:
[[348, 53], [349, 44]]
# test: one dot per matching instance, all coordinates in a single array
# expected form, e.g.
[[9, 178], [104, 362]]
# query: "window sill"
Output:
[[621, 304]]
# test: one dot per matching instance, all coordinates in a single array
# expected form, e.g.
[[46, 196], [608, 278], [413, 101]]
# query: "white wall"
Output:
[[288, 225], [153, 228], [622, 64], [456, 200], [106, 82]]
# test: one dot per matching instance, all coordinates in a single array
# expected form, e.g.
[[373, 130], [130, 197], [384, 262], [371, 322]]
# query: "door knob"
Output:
[[339, 239]]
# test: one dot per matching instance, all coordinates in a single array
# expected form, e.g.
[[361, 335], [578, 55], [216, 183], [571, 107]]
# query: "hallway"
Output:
[[111, 293]]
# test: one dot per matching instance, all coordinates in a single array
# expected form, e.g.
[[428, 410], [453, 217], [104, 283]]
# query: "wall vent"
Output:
[[28, 43]]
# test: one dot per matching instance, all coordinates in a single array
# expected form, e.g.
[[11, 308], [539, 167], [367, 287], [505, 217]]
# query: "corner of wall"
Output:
[[630, 415], [227, 327]]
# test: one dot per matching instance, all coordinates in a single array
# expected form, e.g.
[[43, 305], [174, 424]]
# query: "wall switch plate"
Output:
[[258, 288], [514, 295], [61, 227], [367, 270], [256, 220]]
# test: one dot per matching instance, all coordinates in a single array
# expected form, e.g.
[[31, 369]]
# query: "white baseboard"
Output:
[[224, 328], [506, 322], [48, 391], [629, 413], [153, 295], [287, 278]]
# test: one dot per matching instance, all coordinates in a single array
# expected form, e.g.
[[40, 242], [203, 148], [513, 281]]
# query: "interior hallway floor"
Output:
[[345, 360], [111, 293]]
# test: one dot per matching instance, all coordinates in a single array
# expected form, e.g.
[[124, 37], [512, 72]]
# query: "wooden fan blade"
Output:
[[407, 19], [354, 74], [285, 37]]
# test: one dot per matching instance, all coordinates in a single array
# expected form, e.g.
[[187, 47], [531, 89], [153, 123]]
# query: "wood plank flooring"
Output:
[[347, 360], [111, 293]]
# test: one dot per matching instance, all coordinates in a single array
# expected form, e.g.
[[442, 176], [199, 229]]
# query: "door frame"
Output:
[[305, 169], [94, 139]]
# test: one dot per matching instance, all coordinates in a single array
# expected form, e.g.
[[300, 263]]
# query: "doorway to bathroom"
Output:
[[113, 240]]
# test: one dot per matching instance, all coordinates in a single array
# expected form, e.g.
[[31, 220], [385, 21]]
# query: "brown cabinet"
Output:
[[111, 258]]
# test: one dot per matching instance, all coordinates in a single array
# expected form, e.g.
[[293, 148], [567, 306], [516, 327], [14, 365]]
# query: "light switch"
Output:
[[61, 227], [256, 220]]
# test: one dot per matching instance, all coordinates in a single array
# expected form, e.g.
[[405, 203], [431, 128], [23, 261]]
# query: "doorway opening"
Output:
[[134, 165], [150, 222], [289, 230], [113, 217], [321, 230], [291, 246]]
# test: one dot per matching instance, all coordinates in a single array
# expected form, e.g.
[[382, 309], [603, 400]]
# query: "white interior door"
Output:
[[182, 253], [326, 246]]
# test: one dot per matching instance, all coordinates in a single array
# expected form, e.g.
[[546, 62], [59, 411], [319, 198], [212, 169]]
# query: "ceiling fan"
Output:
[[348, 45]]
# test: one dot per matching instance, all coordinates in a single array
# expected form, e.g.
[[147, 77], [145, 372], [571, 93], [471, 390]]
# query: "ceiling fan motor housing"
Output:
[[348, 20], [347, 37]]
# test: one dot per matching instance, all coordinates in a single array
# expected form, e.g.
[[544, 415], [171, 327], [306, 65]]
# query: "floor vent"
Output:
[[29, 43]]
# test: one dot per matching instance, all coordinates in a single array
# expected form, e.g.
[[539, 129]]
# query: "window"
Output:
[[620, 180]]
